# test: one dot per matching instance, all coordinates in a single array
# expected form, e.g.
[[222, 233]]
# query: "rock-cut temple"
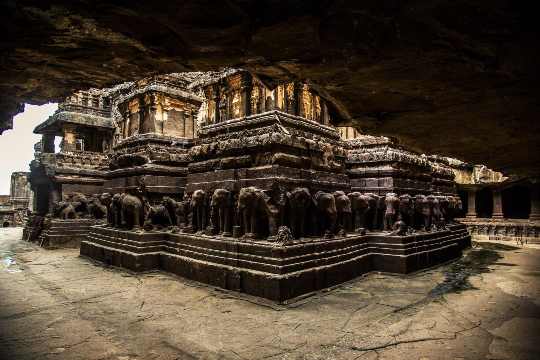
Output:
[[225, 179]]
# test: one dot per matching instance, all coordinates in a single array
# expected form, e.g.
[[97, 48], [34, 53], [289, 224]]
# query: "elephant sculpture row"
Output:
[[77, 205], [255, 213]]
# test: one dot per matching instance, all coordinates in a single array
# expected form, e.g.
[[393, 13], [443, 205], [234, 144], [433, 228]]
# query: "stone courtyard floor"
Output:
[[57, 305]]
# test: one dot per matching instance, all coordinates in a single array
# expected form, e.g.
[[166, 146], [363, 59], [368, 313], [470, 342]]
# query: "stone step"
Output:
[[282, 264], [123, 245]]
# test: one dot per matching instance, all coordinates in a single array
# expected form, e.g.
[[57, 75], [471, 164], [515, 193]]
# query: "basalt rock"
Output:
[[443, 77]]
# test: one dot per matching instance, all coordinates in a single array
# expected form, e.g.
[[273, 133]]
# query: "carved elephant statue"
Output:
[[105, 200], [222, 205], [435, 208], [359, 207], [344, 211], [258, 217], [80, 202], [325, 204], [451, 210], [299, 201], [457, 209], [423, 212], [391, 201], [199, 207], [174, 208], [444, 204], [132, 211], [406, 209], [96, 209], [115, 211], [157, 216], [376, 211], [64, 210]]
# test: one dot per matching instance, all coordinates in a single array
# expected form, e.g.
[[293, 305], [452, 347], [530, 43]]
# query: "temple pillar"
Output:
[[296, 104], [148, 116], [189, 123], [70, 138], [47, 143], [471, 207], [215, 91], [245, 93], [535, 203], [497, 205]]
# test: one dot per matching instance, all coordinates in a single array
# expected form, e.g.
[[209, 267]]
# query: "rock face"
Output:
[[458, 78]]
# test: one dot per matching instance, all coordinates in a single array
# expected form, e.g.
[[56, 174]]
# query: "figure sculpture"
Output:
[[435, 210], [343, 208], [257, 216], [444, 204], [64, 210], [406, 210], [173, 208], [157, 216], [392, 204], [423, 212], [105, 200], [400, 228], [454, 208], [372, 214], [96, 209], [299, 200], [359, 207], [132, 215], [327, 212], [284, 236], [199, 207], [115, 210], [221, 205], [80, 203]]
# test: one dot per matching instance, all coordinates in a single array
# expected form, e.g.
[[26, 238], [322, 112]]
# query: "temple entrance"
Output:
[[484, 203], [516, 202]]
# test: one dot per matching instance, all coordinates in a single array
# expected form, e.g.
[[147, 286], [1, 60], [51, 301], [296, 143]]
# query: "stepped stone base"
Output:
[[278, 273], [65, 233]]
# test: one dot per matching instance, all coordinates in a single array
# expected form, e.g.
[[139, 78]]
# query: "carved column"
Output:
[[215, 92], [535, 203], [189, 122], [70, 138], [245, 91], [148, 120], [47, 143], [497, 205], [324, 113], [296, 106], [471, 207]]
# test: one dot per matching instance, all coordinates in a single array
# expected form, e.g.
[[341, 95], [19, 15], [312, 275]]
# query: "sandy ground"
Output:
[[57, 305]]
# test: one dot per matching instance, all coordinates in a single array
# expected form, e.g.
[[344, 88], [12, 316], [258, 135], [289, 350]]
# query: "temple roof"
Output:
[[55, 122]]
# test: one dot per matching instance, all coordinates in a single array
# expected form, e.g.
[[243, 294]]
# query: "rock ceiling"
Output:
[[454, 77]]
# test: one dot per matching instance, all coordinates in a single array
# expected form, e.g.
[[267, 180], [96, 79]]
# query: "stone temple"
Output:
[[15, 207], [227, 179]]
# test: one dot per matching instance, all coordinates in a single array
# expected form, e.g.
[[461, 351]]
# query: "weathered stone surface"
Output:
[[450, 77], [463, 310]]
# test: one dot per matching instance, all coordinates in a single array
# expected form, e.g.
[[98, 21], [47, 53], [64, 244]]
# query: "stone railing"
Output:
[[75, 159], [103, 112]]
